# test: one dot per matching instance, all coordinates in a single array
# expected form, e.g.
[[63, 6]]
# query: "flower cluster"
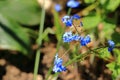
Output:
[[58, 67], [111, 45], [74, 35], [69, 36]]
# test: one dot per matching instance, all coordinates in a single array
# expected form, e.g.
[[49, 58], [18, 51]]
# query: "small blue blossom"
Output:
[[69, 23], [75, 16], [67, 20], [58, 67], [111, 45], [73, 3], [88, 39], [85, 41], [58, 7], [67, 36], [76, 37]]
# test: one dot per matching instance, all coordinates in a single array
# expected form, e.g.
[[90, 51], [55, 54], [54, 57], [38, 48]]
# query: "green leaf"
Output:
[[111, 65], [108, 29], [59, 29], [103, 1], [91, 21], [103, 53], [117, 53], [23, 11], [12, 36], [110, 5], [115, 38], [115, 68], [89, 1]]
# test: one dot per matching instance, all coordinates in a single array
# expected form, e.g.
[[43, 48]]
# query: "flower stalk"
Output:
[[39, 42]]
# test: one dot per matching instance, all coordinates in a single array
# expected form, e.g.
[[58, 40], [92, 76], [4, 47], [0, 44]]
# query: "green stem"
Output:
[[41, 27], [69, 11], [37, 59], [76, 29], [39, 41], [81, 56], [90, 8], [49, 72]]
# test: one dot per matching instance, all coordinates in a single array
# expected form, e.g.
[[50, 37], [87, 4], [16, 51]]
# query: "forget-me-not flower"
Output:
[[67, 20], [58, 67], [111, 45], [73, 3], [76, 37], [85, 41], [75, 16], [58, 7], [67, 36]]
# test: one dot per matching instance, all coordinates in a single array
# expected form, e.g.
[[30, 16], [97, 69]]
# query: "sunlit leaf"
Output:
[[115, 68], [110, 5], [91, 21], [117, 54], [103, 53], [108, 29]]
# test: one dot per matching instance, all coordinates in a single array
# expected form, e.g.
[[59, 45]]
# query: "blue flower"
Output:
[[67, 20], [58, 7], [58, 67], [76, 37], [69, 23], [73, 4], [111, 45], [75, 16], [67, 36], [85, 41], [88, 39]]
